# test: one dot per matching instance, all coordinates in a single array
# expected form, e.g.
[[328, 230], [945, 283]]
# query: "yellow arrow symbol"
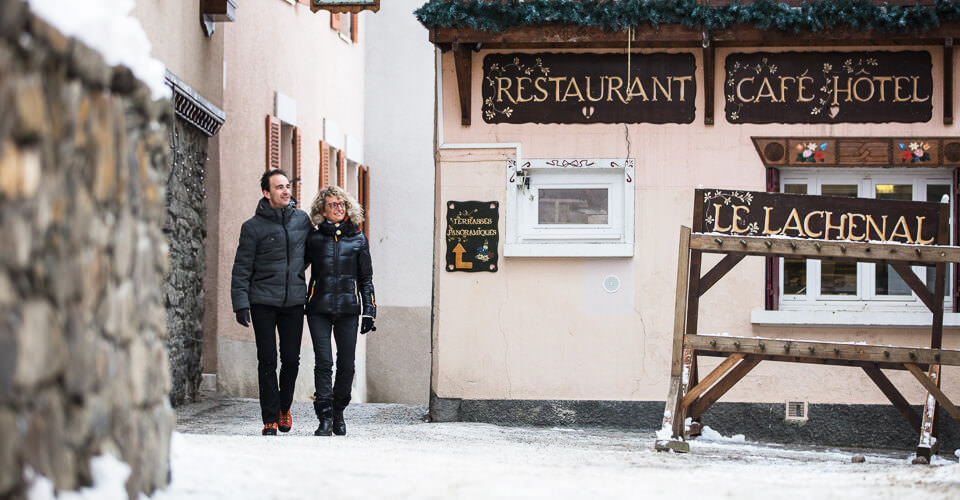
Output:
[[460, 264]]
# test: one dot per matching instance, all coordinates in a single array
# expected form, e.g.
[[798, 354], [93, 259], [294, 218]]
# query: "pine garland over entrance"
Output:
[[618, 15]]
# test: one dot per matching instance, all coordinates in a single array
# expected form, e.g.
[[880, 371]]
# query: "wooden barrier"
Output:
[[689, 396]]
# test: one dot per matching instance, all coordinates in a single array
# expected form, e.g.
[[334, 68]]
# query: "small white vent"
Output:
[[796, 411], [611, 283]]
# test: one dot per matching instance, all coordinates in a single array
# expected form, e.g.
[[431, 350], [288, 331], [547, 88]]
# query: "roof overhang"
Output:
[[567, 36]]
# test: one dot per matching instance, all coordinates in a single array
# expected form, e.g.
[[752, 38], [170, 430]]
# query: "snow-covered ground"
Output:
[[389, 451]]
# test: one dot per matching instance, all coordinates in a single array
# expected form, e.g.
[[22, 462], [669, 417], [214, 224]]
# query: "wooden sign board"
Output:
[[827, 218], [473, 236], [829, 87], [589, 88]]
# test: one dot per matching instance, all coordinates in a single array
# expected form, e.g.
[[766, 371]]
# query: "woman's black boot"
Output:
[[339, 426], [325, 415]]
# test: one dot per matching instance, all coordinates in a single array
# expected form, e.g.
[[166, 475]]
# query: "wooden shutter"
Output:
[[273, 142], [335, 21], [363, 196], [341, 169], [297, 154], [324, 165], [354, 32], [771, 294]]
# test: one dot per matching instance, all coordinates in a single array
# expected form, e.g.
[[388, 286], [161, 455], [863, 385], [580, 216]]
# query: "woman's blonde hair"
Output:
[[353, 209]]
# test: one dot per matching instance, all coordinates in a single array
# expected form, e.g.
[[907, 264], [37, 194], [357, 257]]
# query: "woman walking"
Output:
[[340, 293]]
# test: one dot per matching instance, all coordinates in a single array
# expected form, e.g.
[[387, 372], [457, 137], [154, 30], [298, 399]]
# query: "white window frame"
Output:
[[866, 299], [527, 238]]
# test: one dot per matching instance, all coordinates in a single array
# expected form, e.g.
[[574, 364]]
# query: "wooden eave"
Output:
[[463, 41]]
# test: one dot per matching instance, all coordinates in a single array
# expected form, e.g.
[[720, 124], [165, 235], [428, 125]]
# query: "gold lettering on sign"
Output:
[[901, 223], [766, 222], [740, 89], [611, 89], [576, 92], [543, 92], [821, 224], [806, 224], [795, 217], [827, 226], [920, 240], [872, 223], [590, 97], [716, 220], [733, 225], [800, 88], [852, 220], [501, 89]]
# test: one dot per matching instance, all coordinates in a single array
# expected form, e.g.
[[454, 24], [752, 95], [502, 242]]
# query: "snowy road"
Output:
[[390, 452]]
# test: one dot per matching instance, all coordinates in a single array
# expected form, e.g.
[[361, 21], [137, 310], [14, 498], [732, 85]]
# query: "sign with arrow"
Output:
[[473, 236]]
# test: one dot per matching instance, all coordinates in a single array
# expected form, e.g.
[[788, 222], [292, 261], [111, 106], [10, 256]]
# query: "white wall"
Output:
[[398, 127], [399, 131]]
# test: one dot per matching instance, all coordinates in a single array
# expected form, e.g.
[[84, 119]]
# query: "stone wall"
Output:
[[84, 161], [186, 230]]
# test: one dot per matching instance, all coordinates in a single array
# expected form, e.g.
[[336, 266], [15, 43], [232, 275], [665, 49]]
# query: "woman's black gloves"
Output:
[[367, 325]]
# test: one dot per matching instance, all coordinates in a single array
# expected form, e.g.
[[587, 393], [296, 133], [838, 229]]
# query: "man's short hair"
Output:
[[265, 178]]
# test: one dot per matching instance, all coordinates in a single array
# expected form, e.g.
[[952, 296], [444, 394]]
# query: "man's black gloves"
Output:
[[243, 317], [367, 325]]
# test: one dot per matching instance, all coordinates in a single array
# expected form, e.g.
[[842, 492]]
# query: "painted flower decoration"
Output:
[[914, 152], [811, 152]]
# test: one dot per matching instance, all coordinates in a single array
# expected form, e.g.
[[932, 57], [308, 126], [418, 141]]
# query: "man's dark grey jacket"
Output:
[[269, 267]]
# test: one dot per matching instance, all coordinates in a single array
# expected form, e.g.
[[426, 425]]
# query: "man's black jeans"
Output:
[[345, 333], [268, 322]]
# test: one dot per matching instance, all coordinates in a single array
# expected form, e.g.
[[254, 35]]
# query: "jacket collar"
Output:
[[276, 214], [346, 228]]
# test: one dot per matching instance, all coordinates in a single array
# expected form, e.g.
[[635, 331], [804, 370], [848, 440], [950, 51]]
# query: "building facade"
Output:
[[583, 133]]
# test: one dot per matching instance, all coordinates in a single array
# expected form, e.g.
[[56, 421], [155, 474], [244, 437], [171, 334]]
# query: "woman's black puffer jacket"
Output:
[[341, 282]]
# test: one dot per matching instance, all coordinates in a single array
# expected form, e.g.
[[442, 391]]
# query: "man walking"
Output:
[[268, 286]]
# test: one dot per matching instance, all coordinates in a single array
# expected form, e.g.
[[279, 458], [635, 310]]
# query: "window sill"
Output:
[[891, 319], [568, 250]]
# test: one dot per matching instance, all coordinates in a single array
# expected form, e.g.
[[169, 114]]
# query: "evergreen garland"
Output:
[[618, 15]]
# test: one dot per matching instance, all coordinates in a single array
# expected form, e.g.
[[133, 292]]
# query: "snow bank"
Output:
[[107, 27], [109, 477], [708, 434]]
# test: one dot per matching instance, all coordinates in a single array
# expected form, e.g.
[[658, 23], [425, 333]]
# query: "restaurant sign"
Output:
[[589, 88], [828, 87], [473, 236], [828, 218]]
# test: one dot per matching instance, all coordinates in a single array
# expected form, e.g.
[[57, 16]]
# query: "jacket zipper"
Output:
[[286, 266]]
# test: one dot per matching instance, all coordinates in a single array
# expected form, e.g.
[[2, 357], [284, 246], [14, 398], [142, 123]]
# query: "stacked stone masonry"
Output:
[[186, 230], [84, 163]]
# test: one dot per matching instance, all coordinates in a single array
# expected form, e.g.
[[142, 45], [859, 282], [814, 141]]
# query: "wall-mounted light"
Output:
[[344, 6], [216, 11]]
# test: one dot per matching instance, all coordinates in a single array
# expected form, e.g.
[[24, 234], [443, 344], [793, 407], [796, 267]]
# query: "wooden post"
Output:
[[670, 412], [927, 445]]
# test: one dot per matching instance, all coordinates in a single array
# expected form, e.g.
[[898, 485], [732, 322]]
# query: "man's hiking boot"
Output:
[[286, 421], [270, 429]]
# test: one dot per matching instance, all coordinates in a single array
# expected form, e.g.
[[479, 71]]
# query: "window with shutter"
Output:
[[341, 169], [297, 154], [363, 196], [354, 27], [324, 165], [273, 143]]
